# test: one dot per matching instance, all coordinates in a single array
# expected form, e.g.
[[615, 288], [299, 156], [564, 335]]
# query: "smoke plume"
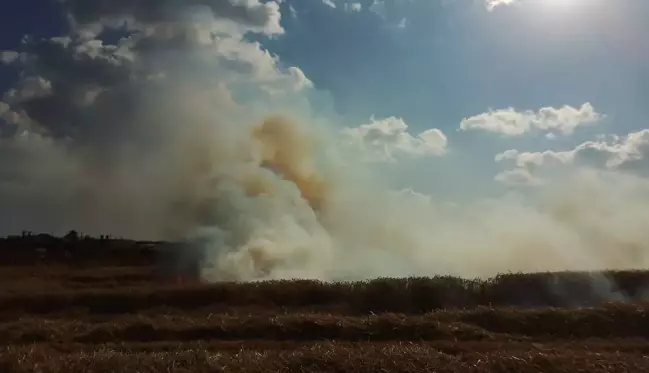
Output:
[[148, 137]]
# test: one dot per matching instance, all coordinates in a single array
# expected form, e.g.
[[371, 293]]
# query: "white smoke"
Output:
[[150, 138]]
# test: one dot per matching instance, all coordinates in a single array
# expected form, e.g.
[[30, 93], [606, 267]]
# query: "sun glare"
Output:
[[561, 3]]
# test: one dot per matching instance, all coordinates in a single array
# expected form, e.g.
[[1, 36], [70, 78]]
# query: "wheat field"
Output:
[[110, 318]]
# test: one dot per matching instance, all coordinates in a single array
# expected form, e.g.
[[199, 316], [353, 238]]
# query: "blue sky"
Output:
[[41, 18], [450, 59], [455, 59], [530, 82]]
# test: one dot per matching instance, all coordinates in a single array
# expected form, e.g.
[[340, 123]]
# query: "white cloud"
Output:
[[7, 57], [617, 154], [249, 61], [378, 7], [382, 140], [353, 7], [4, 107], [518, 176], [297, 79], [623, 151], [28, 88], [7, 116], [509, 122], [492, 4], [329, 3], [253, 15], [530, 159]]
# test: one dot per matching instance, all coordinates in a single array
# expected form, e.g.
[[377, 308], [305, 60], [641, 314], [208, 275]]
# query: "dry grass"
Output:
[[118, 319], [613, 321], [323, 357], [133, 289]]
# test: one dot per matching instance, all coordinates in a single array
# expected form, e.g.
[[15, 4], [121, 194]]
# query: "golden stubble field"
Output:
[[59, 318]]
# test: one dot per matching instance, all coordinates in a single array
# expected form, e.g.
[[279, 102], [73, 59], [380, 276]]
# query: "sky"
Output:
[[456, 100], [433, 64], [452, 60]]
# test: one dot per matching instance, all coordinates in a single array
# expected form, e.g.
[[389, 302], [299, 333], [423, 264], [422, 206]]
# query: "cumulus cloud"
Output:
[[30, 87], [353, 7], [251, 14], [8, 57], [385, 139], [518, 177], [509, 122], [616, 153], [347, 6], [492, 4], [529, 159]]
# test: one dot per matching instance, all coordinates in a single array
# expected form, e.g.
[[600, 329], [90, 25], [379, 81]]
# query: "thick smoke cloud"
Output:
[[96, 135], [251, 14], [170, 132]]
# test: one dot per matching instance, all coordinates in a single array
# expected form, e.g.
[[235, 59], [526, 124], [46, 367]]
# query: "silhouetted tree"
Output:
[[72, 236]]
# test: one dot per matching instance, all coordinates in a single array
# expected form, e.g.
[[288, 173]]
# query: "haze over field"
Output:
[[335, 139]]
